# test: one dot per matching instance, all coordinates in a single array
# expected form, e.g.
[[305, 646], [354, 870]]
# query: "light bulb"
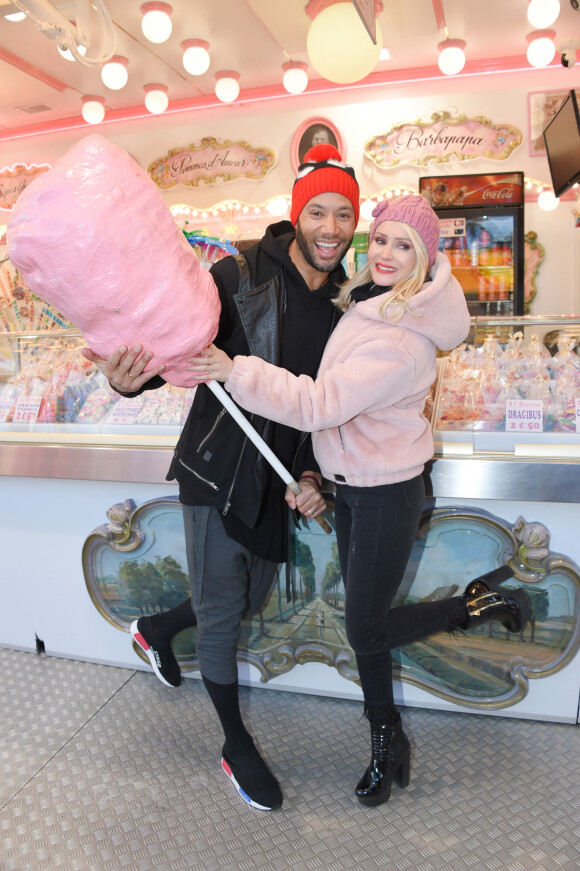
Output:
[[543, 13], [547, 201], [68, 55], [295, 78], [227, 87], [114, 73], [451, 56], [156, 22], [93, 110], [196, 59], [366, 210], [156, 99], [541, 48], [15, 16], [339, 47], [277, 207]]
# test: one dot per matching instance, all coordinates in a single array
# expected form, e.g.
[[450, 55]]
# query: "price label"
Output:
[[125, 411], [451, 227], [5, 406], [27, 409], [524, 415]]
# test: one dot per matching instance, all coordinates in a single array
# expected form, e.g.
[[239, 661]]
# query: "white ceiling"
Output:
[[254, 37]]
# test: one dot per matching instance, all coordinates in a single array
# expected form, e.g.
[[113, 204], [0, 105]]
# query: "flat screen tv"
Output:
[[562, 139]]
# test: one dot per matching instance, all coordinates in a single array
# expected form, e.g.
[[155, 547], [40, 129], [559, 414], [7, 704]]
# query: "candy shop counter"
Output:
[[59, 417], [84, 497], [511, 392]]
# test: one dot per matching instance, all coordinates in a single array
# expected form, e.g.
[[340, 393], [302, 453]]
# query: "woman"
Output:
[[372, 440]]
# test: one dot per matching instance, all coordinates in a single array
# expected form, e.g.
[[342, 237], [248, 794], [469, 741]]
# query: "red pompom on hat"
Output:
[[322, 171]]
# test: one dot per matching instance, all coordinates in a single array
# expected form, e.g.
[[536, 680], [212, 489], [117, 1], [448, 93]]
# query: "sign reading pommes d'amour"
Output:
[[444, 137], [209, 161]]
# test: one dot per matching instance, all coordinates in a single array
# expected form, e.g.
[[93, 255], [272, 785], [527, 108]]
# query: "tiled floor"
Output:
[[104, 768]]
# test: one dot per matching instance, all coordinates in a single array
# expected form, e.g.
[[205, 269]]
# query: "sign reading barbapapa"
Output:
[[444, 137], [209, 161], [13, 180]]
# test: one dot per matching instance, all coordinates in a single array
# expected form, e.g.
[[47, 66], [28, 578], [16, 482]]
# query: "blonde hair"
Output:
[[395, 306]]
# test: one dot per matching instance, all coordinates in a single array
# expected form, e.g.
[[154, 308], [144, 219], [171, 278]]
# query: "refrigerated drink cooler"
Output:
[[482, 234]]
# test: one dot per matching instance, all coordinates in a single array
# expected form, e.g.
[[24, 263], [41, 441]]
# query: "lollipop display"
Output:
[[93, 238]]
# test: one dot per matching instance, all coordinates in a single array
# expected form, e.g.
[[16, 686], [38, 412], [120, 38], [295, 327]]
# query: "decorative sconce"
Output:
[[339, 47], [156, 99], [541, 48], [451, 56], [93, 110], [156, 22], [114, 73], [295, 78], [196, 59], [227, 87]]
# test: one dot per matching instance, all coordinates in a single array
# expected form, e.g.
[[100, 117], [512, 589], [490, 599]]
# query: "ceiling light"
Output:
[[156, 22], [227, 86], [451, 58], [93, 110], [14, 16], [89, 28], [114, 73], [295, 78], [339, 47], [67, 53], [156, 99], [385, 53], [542, 13], [196, 59], [541, 48]]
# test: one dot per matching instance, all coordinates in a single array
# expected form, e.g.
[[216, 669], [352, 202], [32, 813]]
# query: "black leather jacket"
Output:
[[214, 461]]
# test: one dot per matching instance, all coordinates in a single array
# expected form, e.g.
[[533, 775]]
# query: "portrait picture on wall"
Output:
[[314, 131], [543, 105]]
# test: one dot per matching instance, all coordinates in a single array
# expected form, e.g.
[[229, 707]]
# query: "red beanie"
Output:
[[323, 171]]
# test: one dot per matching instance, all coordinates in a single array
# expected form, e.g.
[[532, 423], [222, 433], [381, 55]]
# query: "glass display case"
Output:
[[60, 418], [516, 383], [508, 401]]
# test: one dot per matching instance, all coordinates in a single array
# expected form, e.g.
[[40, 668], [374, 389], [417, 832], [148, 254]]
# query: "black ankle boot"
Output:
[[487, 601], [390, 758]]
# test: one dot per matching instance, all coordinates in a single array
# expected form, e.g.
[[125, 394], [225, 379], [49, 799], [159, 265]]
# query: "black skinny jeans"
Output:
[[375, 531]]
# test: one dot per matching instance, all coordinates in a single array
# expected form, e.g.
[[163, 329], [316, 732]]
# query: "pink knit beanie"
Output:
[[415, 211], [323, 171]]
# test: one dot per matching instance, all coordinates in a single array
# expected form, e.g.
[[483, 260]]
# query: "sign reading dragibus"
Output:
[[209, 161], [444, 137], [13, 180]]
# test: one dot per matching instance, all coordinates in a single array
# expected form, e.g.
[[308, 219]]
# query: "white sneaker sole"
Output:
[[142, 644], [241, 792]]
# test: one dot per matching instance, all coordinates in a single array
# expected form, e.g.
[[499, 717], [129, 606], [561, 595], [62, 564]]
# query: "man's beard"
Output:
[[308, 251]]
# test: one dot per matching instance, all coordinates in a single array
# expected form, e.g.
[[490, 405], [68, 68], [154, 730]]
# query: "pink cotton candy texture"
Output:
[[93, 238]]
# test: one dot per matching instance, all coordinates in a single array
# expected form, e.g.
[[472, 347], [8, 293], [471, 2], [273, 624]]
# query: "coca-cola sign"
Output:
[[445, 136], [491, 189]]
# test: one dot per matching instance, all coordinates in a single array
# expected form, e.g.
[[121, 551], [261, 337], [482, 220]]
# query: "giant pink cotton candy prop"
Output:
[[93, 238]]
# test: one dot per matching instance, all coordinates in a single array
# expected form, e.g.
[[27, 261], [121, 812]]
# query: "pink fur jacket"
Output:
[[365, 408]]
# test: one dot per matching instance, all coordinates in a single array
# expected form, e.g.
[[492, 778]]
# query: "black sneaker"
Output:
[[253, 779], [160, 655]]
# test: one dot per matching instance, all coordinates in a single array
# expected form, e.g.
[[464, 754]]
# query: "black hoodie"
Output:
[[212, 446]]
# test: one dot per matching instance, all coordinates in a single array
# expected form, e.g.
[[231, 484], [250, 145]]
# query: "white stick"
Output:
[[257, 439]]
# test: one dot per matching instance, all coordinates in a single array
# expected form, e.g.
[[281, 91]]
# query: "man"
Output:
[[234, 505]]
